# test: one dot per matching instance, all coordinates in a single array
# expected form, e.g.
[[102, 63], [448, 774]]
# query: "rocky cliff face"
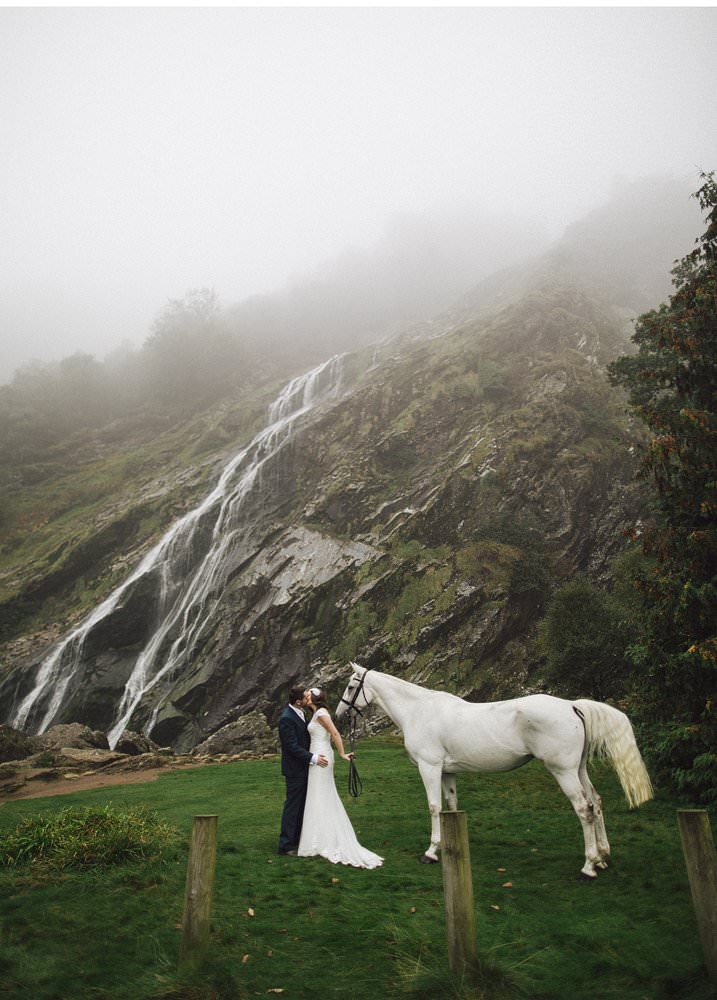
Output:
[[415, 519]]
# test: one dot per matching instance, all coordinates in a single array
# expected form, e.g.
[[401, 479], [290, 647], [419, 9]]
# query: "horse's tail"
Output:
[[608, 733]]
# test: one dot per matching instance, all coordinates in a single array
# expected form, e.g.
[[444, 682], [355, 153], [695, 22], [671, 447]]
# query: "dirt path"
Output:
[[86, 782]]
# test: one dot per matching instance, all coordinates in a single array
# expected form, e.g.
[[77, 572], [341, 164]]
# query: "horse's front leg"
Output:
[[448, 783], [431, 775]]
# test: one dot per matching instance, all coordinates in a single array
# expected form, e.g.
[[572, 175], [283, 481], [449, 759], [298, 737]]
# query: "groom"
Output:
[[295, 761]]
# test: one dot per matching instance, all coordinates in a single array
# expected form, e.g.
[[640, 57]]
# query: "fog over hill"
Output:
[[421, 266], [428, 263], [151, 151]]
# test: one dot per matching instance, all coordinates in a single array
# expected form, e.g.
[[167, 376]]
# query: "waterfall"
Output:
[[189, 588]]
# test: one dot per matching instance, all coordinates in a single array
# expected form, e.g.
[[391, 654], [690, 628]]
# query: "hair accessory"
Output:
[[315, 691]]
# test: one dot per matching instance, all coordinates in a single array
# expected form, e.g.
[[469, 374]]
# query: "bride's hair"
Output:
[[318, 697]]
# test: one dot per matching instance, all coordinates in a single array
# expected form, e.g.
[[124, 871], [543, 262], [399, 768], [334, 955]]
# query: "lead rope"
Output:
[[355, 783]]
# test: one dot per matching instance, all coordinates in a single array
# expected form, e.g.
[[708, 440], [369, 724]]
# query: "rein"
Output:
[[355, 784]]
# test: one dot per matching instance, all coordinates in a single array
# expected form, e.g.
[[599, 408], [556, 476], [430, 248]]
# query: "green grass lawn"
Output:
[[321, 930]]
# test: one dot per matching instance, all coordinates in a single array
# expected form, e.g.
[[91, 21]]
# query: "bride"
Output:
[[326, 829]]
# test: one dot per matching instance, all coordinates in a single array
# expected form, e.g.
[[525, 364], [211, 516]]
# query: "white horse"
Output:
[[444, 734]]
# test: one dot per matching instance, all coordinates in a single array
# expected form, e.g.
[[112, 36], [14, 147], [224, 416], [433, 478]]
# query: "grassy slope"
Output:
[[115, 934], [151, 471]]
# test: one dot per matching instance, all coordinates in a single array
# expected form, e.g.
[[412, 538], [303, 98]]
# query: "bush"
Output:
[[530, 573], [584, 635], [683, 756], [86, 838]]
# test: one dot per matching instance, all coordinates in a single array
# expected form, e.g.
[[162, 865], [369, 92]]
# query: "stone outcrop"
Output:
[[86, 758], [56, 769], [135, 744], [250, 732], [75, 735]]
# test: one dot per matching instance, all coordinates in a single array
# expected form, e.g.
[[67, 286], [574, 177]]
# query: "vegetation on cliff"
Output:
[[672, 384]]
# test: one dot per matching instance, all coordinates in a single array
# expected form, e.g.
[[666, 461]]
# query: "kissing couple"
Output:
[[314, 821]]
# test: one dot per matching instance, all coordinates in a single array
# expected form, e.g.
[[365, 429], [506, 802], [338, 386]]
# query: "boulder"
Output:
[[250, 732], [7, 787], [141, 762], [135, 744], [87, 757], [44, 774], [16, 745], [73, 734]]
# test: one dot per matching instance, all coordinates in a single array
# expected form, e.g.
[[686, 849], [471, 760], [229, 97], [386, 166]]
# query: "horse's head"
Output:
[[355, 694]]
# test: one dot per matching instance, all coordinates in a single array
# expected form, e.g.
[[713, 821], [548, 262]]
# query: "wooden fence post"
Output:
[[458, 892], [701, 859], [198, 896]]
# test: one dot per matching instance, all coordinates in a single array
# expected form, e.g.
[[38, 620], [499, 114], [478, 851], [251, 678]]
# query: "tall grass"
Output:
[[306, 927], [85, 837]]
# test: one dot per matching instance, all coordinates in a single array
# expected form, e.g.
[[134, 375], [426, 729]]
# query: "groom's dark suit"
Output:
[[295, 760]]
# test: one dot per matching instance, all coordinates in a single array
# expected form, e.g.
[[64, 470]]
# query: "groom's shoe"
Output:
[[290, 851]]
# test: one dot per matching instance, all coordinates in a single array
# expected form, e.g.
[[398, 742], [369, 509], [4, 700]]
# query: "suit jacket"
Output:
[[295, 741]]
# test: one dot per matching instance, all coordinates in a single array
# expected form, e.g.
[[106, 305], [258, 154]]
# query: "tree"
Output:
[[197, 311], [584, 634], [672, 385], [190, 355]]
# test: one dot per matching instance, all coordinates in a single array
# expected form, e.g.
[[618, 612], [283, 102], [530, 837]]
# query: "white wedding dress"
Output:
[[326, 828]]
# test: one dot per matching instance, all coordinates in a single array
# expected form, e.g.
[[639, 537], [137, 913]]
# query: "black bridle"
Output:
[[355, 783]]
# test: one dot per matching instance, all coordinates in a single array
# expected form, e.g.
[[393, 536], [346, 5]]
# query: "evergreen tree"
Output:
[[584, 635], [672, 385]]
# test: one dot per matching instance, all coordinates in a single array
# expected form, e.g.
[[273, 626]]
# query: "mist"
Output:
[[258, 151]]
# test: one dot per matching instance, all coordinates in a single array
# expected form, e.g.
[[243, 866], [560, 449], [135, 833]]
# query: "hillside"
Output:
[[411, 505], [416, 521]]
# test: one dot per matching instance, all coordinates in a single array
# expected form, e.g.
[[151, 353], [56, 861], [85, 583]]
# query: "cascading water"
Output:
[[189, 585]]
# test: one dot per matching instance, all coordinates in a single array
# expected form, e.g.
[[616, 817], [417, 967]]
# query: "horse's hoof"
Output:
[[426, 859], [584, 877]]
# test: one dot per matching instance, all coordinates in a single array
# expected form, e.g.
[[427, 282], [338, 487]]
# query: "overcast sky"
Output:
[[149, 151]]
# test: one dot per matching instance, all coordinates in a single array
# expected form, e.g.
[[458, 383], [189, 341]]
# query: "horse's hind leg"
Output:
[[603, 846], [431, 775], [448, 784], [572, 787]]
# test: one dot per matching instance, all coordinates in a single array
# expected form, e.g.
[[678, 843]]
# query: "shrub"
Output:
[[530, 573], [584, 635], [680, 755], [85, 838]]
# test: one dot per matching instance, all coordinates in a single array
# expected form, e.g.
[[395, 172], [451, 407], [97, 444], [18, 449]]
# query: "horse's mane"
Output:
[[399, 681]]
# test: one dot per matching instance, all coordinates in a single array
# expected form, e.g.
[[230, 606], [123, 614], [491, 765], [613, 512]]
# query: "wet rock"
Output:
[[251, 733], [73, 734], [175, 728], [135, 744], [130, 622]]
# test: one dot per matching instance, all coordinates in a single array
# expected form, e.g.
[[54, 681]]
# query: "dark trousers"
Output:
[[293, 814]]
